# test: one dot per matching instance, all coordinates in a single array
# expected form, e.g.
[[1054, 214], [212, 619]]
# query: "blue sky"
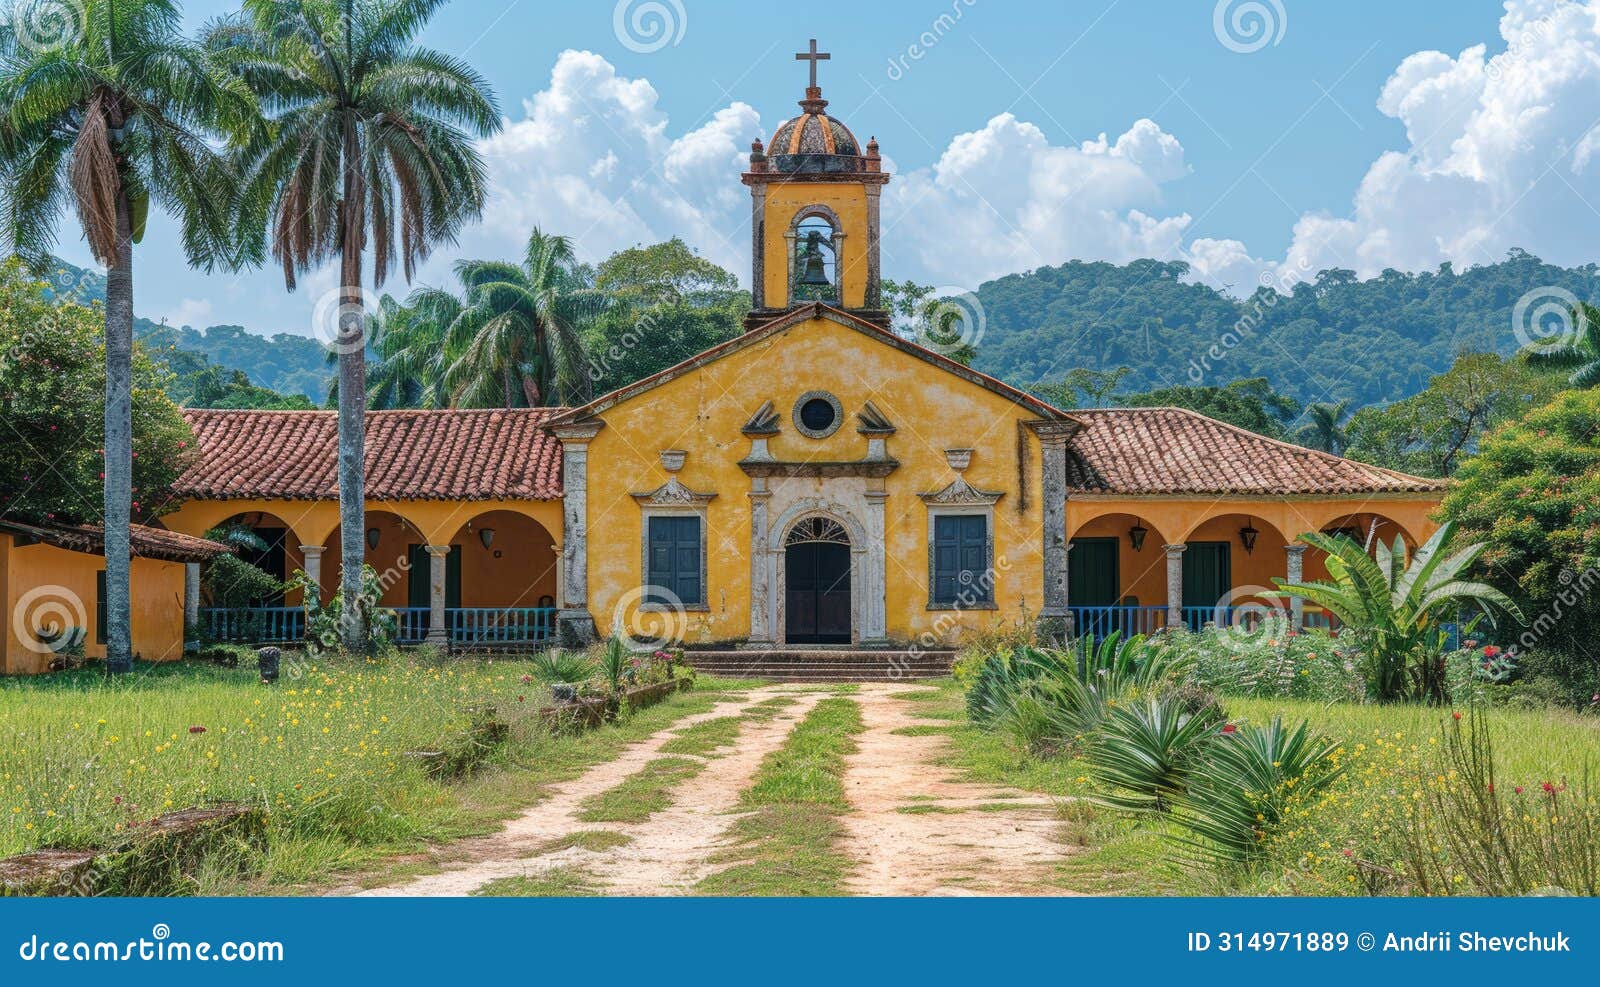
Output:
[[1340, 141]]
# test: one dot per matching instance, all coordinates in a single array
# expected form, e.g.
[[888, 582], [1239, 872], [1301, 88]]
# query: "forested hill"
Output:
[[1332, 338], [283, 362]]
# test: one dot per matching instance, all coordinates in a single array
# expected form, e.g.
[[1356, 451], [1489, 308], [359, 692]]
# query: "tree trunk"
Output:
[[506, 382], [352, 403], [119, 443]]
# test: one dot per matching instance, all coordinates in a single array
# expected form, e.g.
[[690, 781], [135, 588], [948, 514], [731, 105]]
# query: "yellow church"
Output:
[[817, 483]]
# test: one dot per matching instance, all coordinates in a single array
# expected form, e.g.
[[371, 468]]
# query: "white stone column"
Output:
[[438, 559], [1055, 619], [191, 597], [1294, 573], [575, 624], [313, 566], [760, 586], [1175, 586], [874, 605]]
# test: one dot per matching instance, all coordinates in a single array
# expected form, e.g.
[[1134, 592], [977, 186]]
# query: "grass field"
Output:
[[329, 756], [1390, 748]]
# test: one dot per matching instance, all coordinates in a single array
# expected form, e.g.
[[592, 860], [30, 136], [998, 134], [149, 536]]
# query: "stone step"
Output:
[[841, 665]]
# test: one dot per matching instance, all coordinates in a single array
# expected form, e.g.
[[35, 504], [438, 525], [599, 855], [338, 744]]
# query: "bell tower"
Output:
[[814, 217]]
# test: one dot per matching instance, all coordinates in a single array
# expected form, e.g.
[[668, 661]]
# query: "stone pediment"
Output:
[[962, 493], [672, 494]]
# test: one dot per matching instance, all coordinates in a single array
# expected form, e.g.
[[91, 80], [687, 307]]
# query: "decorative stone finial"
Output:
[[959, 459], [672, 459]]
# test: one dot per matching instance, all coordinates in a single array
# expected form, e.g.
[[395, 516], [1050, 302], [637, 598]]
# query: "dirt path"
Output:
[[959, 838], [666, 854]]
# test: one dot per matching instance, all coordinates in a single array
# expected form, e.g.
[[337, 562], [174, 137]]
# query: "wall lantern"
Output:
[[372, 538], [1248, 535], [1136, 536], [486, 535]]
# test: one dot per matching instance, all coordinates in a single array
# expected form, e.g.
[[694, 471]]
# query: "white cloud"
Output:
[[1005, 199], [591, 158], [1501, 153], [194, 312]]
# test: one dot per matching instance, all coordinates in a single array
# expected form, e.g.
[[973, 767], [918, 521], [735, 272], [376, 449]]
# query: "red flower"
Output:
[[1518, 789], [197, 729], [1491, 788], [1489, 651], [1228, 728], [1349, 853], [116, 800], [1456, 715], [1548, 787], [526, 679]]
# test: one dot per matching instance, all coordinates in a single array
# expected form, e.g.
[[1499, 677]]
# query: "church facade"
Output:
[[818, 481]]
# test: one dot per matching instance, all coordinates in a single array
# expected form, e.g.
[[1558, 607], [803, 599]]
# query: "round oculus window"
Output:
[[818, 414]]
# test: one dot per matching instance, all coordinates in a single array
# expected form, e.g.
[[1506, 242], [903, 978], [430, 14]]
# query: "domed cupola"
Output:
[[814, 141], [814, 218]]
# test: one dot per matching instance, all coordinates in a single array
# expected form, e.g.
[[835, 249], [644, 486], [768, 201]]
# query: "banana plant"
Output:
[[1395, 608]]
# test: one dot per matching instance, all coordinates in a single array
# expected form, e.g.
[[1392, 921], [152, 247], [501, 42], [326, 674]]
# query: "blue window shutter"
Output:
[[960, 558], [674, 558]]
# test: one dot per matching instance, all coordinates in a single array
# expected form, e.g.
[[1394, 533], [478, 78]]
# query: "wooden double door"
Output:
[[817, 593]]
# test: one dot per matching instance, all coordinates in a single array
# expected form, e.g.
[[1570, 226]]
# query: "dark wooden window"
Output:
[[675, 561], [1092, 572], [961, 559], [419, 592]]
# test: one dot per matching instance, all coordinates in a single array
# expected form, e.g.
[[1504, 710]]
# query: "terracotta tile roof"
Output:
[[147, 542], [1176, 451], [490, 454]]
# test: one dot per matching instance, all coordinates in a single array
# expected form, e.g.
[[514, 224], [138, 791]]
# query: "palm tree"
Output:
[[1393, 608], [116, 112], [411, 344], [370, 144], [519, 330], [1578, 352], [1324, 428]]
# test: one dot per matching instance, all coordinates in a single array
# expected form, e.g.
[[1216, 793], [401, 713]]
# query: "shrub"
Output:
[[556, 665], [1240, 793], [1144, 751], [1311, 664], [1394, 609]]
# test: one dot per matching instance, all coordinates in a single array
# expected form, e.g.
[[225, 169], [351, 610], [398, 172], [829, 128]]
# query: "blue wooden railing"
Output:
[[256, 625], [466, 625], [1102, 622]]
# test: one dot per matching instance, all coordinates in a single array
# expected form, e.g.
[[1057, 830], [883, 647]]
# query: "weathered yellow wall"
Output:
[[702, 413], [69, 578], [849, 201]]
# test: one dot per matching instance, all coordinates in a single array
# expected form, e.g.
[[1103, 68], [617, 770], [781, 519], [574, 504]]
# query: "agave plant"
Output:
[[1145, 751], [1395, 609], [556, 665], [1245, 785]]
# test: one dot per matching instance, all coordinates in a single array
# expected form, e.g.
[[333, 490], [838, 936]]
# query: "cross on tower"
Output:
[[813, 56]]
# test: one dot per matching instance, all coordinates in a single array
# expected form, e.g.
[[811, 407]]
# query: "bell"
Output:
[[814, 275]]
